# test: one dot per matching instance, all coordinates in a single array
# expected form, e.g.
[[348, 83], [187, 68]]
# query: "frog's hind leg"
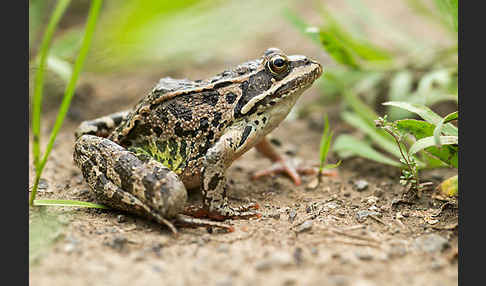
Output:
[[285, 166], [101, 126], [122, 181]]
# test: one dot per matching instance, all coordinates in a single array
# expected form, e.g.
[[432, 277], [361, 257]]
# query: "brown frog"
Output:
[[185, 134]]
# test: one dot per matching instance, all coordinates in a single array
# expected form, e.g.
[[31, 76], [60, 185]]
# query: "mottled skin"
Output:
[[185, 134]]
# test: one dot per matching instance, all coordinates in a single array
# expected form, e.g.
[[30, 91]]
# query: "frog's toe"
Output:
[[290, 168], [241, 212]]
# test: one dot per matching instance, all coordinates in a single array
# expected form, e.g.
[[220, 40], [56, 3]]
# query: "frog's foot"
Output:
[[225, 212], [289, 167], [293, 169]]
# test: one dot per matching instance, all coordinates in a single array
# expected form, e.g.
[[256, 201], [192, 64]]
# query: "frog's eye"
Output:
[[278, 64]]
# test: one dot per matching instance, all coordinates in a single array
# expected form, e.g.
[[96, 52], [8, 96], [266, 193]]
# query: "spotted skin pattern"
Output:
[[185, 134]]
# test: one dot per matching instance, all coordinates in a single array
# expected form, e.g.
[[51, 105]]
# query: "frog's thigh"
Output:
[[218, 158], [101, 126], [121, 180]]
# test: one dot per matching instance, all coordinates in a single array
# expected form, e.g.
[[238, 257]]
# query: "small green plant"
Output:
[[324, 149], [435, 138], [39, 162]]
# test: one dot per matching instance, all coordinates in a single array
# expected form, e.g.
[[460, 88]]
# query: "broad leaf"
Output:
[[426, 113], [429, 141]]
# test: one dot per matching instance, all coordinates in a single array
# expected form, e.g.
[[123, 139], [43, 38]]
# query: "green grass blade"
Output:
[[68, 94], [438, 128], [68, 203], [426, 113], [325, 143], [39, 76], [352, 146]]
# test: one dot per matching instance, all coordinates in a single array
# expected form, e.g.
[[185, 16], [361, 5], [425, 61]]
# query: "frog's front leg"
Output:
[[213, 178]]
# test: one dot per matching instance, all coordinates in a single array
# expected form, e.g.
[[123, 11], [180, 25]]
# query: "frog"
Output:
[[185, 134]]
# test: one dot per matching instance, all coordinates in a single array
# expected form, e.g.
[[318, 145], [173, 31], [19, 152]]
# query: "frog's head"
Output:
[[274, 87]]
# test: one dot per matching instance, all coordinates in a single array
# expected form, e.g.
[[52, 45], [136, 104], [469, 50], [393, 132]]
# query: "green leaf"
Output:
[[438, 128], [348, 145], [426, 113], [337, 50], [379, 136], [430, 141], [418, 128], [68, 203]]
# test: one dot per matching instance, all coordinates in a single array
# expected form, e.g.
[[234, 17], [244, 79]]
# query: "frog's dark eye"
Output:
[[278, 64]]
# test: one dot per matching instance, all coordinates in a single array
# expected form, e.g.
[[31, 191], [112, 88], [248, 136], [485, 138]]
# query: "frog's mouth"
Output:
[[302, 74]]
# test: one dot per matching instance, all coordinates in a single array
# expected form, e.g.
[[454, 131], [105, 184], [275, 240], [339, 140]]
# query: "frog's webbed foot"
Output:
[[289, 167]]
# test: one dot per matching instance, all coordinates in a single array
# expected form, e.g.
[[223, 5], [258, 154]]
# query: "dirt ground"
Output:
[[352, 229]]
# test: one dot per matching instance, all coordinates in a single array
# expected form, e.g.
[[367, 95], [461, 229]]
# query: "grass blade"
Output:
[[325, 143], [68, 203], [39, 76], [68, 94]]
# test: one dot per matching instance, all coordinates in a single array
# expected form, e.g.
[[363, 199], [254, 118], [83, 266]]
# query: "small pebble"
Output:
[[292, 215], [361, 185], [305, 226], [120, 218], [42, 184], [363, 214]]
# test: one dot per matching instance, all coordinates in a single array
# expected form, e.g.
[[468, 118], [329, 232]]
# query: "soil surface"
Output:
[[352, 229]]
